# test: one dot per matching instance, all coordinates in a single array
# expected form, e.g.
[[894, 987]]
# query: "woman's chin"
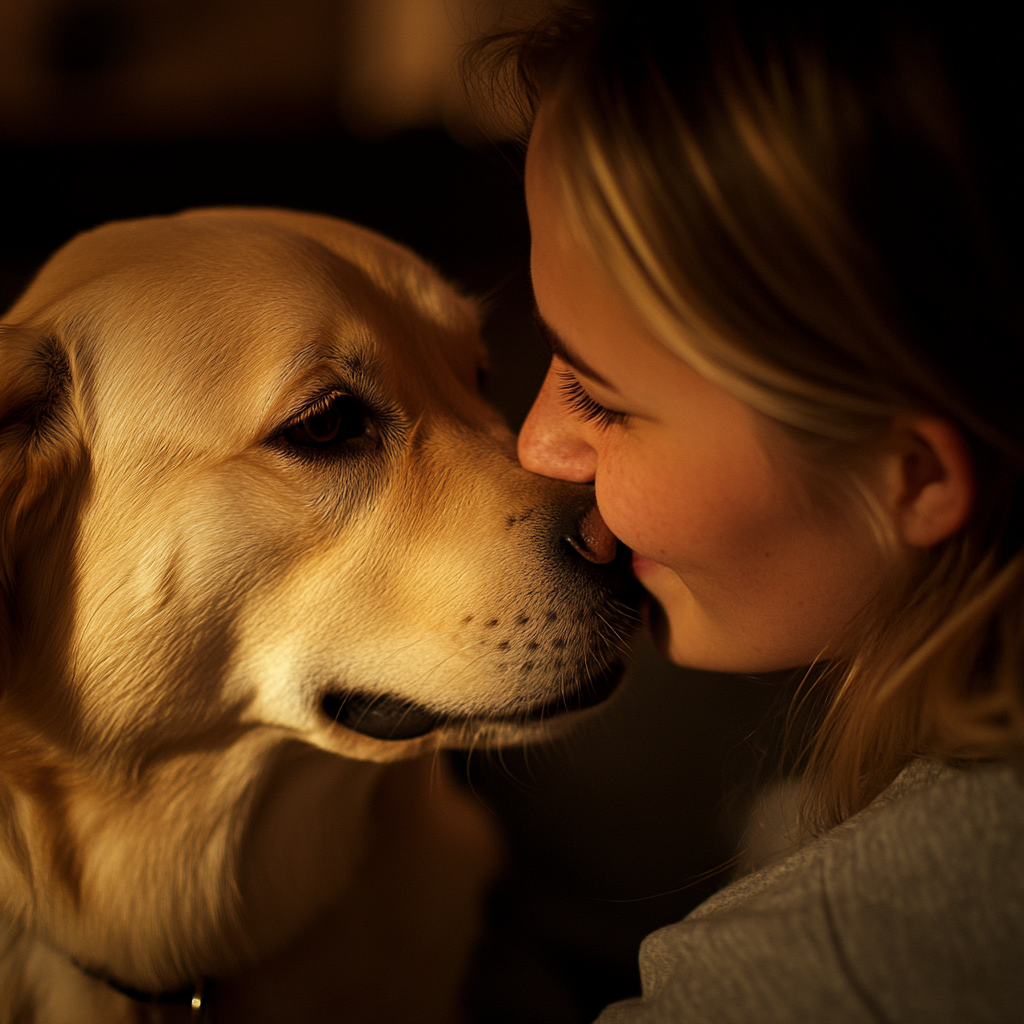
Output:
[[660, 630], [679, 631], [665, 588]]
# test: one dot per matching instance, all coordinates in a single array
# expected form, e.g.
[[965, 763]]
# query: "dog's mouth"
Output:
[[390, 718]]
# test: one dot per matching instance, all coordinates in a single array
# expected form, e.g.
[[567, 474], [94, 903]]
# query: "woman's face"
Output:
[[685, 474]]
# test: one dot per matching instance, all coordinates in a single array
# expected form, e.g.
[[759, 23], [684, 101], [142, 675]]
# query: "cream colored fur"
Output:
[[183, 583]]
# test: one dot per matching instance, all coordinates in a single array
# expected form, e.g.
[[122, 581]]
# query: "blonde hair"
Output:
[[745, 172]]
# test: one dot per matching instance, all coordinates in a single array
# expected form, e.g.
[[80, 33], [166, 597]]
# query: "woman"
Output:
[[777, 256]]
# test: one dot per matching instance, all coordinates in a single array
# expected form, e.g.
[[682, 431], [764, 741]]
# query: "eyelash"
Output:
[[584, 406]]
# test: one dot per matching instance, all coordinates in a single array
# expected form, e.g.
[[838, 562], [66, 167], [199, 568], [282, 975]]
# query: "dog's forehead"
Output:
[[214, 301], [231, 255]]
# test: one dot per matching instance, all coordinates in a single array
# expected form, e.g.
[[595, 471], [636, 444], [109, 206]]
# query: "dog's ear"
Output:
[[43, 466]]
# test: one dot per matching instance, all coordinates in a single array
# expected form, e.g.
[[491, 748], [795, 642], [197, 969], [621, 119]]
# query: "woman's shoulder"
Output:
[[950, 813], [911, 910]]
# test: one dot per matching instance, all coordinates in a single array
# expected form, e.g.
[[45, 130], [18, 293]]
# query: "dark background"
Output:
[[631, 820]]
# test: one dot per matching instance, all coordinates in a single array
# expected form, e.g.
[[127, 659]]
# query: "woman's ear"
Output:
[[930, 479]]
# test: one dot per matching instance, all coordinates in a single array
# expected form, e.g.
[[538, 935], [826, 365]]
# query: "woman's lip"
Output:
[[644, 566]]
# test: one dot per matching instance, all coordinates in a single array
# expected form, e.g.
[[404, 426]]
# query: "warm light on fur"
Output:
[[183, 586]]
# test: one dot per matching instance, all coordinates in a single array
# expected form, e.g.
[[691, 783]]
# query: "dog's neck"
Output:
[[195, 997], [266, 824]]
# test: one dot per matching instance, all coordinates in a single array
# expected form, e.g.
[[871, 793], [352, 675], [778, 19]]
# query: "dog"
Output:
[[265, 550]]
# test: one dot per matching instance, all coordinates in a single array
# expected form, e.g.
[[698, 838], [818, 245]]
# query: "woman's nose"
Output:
[[552, 442]]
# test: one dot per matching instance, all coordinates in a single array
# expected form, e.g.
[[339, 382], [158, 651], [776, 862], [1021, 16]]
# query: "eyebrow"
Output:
[[558, 347]]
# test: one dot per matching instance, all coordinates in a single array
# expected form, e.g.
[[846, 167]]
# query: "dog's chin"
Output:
[[385, 717]]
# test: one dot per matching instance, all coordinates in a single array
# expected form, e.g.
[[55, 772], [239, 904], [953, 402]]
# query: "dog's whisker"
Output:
[[264, 480]]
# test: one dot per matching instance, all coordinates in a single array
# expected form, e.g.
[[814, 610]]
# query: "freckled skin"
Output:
[[749, 580]]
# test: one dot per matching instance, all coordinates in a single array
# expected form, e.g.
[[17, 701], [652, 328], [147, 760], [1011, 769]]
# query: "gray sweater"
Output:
[[911, 912]]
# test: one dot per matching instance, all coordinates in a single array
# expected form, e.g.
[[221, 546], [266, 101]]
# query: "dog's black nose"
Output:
[[593, 540]]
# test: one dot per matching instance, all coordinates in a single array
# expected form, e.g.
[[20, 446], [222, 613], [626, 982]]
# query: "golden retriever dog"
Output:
[[265, 550]]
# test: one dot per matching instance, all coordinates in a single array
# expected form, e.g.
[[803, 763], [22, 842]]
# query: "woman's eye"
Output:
[[330, 422], [584, 406]]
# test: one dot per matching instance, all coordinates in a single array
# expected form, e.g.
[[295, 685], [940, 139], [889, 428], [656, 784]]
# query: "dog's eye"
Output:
[[330, 422]]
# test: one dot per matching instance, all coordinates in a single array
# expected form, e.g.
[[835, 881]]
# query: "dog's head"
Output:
[[249, 480]]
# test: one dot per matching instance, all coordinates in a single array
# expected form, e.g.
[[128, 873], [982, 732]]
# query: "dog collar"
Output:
[[196, 997]]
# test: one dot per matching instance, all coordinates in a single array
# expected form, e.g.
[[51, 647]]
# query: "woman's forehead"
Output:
[[541, 178]]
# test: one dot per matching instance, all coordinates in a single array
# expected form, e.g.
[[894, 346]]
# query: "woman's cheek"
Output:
[[637, 505]]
